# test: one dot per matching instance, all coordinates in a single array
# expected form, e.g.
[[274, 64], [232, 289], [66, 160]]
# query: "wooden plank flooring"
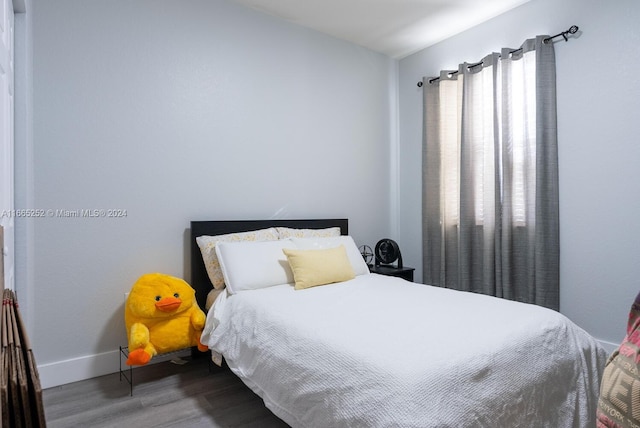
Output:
[[164, 395]]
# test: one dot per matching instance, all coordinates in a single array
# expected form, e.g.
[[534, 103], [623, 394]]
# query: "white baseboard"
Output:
[[81, 368]]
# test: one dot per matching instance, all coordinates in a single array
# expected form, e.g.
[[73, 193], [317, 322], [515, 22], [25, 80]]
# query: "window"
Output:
[[499, 137], [490, 216]]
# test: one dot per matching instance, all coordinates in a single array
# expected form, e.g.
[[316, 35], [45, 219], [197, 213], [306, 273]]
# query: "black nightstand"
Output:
[[405, 272]]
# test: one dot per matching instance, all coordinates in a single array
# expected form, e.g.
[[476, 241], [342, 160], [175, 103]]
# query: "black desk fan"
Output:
[[387, 252]]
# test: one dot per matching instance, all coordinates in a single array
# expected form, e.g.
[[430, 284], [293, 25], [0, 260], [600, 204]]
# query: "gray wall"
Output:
[[177, 111], [598, 110]]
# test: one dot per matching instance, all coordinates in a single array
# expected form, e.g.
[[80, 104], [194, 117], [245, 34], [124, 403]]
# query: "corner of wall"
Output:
[[394, 148]]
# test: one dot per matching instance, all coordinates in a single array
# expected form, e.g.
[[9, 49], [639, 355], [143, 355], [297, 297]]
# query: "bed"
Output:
[[379, 351]]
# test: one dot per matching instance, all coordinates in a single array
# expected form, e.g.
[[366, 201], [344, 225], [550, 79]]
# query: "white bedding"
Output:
[[379, 351]]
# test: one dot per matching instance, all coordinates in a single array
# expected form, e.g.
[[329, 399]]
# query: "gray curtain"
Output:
[[490, 176]]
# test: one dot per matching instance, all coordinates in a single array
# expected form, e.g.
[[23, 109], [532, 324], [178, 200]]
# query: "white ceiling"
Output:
[[394, 27]]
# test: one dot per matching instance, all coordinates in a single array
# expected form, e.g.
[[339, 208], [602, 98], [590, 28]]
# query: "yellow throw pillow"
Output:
[[319, 267]]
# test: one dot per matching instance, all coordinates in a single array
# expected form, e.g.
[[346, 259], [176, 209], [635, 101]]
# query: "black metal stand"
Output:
[[124, 352]]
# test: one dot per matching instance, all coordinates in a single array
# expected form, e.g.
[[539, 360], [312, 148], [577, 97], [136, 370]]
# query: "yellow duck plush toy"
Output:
[[161, 315]]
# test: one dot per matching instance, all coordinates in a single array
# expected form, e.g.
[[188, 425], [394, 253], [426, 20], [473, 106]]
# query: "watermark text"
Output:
[[65, 213]]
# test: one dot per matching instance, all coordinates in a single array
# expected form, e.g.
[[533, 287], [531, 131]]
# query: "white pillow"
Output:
[[207, 246], [357, 262], [253, 265]]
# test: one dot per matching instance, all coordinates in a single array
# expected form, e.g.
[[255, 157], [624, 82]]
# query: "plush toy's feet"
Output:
[[201, 347], [138, 357]]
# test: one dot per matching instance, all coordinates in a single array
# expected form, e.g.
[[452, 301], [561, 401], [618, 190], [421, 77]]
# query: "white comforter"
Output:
[[382, 352]]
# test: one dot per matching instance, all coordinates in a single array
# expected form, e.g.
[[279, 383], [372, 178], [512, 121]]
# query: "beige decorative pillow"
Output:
[[319, 267], [207, 246], [211, 297], [288, 232]]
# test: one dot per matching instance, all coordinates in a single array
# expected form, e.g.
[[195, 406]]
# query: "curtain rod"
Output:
[[572, 30]]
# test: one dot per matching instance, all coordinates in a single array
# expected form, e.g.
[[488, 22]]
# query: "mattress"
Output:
[[378, 351]]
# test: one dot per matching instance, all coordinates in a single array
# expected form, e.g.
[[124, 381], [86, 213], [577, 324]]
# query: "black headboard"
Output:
[[199, 278]]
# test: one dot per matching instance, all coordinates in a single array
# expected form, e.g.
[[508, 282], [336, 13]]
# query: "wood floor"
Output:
[[164, 395]]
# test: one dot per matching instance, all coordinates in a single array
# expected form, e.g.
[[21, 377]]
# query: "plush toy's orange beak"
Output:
[[168, 304]]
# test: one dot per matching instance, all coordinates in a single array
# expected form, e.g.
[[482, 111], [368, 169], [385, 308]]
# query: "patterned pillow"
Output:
[[207, 246], [287, 232]]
